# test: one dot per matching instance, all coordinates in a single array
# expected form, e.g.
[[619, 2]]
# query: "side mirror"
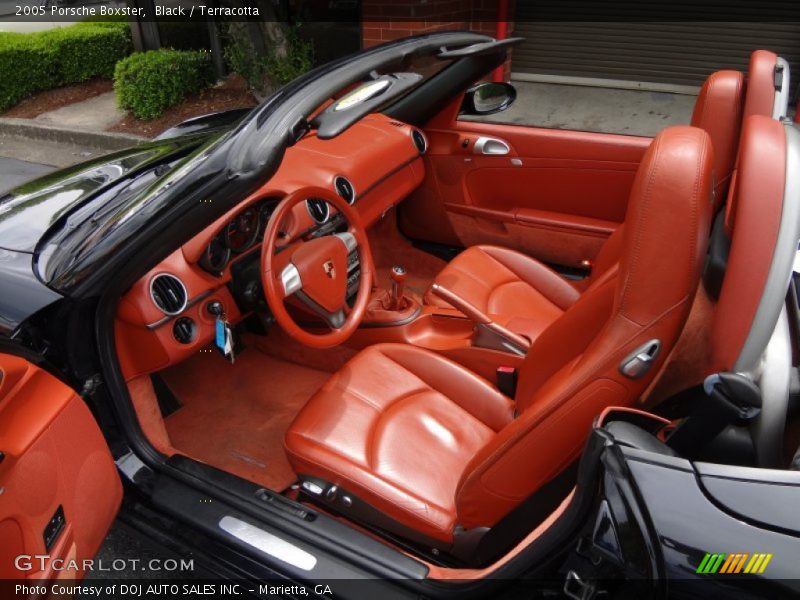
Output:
[[488, 98]]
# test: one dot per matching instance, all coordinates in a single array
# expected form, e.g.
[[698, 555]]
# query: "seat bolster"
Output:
[[537, 275], [313, 459], [470, 391]]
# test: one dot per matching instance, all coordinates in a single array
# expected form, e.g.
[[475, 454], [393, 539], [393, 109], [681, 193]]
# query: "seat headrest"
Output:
[[671, 198], [718, 111], [760, 95]]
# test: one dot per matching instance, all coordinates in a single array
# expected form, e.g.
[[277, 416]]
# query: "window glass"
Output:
[[588, 108]]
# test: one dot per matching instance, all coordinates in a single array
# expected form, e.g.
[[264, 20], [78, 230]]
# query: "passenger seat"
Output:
[[502, 281]]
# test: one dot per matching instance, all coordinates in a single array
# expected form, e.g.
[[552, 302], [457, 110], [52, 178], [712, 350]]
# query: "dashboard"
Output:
[[170, 313]]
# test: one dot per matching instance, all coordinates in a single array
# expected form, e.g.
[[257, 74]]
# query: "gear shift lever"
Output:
[[398, 276]]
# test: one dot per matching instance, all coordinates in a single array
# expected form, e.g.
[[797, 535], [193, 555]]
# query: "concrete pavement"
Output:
[[47, 152], [24, 158], [15, 172], [95, 114]]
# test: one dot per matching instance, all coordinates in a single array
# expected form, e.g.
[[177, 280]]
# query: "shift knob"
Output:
[[398, 275]]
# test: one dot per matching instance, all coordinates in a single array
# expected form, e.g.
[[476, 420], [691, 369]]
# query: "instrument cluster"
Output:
[[242, 233]]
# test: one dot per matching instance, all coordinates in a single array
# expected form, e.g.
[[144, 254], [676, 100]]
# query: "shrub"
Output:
[[31, 62], [148, 83], [264, 73], [299, 59]]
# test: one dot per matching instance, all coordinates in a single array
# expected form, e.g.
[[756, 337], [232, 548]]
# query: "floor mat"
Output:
[[234, 417]]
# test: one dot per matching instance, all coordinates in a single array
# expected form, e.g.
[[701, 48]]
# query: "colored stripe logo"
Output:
[[742, 562]]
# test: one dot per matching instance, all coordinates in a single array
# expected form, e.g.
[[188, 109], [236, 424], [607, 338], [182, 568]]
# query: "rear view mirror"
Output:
[[488, 98]]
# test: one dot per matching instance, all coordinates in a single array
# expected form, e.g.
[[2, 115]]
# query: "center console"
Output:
[[482, 343]]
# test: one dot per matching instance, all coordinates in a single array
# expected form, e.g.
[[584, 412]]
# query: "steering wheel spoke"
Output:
[[350, 240], [335, 319], [290, 280]]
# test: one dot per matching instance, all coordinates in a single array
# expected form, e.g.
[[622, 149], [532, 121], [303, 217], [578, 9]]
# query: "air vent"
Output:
[[318, 209], [184, 330], [396, 123], [345, 189], [168, 293], [419, 140]]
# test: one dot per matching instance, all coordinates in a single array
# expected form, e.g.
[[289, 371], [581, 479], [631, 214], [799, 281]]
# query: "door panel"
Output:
[[556, 195], [56, 464]]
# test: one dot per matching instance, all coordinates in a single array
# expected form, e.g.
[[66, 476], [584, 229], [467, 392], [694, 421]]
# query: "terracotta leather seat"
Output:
[[504, 281], [760, 96], [408, 441]]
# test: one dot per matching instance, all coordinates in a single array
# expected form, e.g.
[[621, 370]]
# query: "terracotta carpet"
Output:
[[234, 417]]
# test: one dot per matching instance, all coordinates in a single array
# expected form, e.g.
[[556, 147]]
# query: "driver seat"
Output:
[[407, 441]]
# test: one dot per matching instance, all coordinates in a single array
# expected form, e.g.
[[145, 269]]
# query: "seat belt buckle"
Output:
[[507, 380], [735, 393]]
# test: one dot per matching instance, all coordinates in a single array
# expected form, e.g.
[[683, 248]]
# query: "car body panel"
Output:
[[205, 123], [28, 211], [23, 293], [687, 524]]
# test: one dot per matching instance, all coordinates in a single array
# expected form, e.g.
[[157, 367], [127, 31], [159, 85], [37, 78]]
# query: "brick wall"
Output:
[[388, 20]]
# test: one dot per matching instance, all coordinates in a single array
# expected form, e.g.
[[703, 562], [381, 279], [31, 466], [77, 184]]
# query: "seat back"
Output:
[[755, 215], [572, 372], [717, 110]]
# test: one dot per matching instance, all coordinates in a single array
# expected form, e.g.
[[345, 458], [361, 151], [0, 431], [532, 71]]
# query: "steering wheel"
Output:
[[315, 271]]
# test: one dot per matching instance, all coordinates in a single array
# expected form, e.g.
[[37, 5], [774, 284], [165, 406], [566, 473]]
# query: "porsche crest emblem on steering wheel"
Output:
[[330, 270]]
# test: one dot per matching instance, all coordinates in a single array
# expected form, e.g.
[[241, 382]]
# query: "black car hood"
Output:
[[28, 211]]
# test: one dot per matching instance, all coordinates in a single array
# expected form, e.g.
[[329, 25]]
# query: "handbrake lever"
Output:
[[488, 333]]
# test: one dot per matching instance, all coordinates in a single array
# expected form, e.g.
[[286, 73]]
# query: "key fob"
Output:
[[223, 338]]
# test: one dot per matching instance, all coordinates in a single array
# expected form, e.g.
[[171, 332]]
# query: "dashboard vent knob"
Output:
[[318, 209], [419, 140], [345, 189], [168, 293], [184, 330]]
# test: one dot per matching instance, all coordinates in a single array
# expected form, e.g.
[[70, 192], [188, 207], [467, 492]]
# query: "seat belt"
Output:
[[732, 398]]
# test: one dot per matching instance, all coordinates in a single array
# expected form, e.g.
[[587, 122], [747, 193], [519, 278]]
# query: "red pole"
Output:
[[501, 33]]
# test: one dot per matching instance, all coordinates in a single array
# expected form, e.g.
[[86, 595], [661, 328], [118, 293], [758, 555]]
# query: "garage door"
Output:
[[676, 53]]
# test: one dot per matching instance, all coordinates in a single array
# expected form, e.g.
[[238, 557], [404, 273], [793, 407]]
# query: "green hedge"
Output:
[[43, 60], [148, 83]]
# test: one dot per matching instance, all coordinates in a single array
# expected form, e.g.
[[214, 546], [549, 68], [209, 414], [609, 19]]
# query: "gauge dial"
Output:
[[242, 231], [216, 256], [265, 210]]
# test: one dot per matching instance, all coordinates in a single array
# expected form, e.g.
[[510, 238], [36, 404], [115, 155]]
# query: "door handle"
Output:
[[491, 146]]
